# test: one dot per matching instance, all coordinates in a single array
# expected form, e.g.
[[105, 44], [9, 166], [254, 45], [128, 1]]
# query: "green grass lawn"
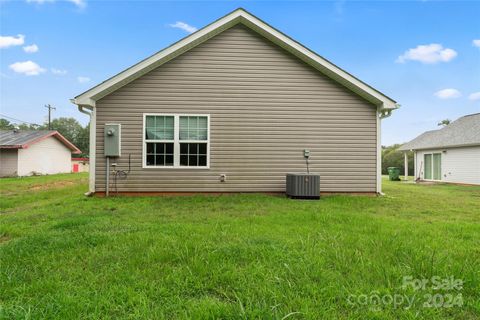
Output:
[[65, 256]]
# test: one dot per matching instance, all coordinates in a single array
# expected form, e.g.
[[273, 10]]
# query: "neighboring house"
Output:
[[450, 154], [80, 165], [231, 108], [31, 152]]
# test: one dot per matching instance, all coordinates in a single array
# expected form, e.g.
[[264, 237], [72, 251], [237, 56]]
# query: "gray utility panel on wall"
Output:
[[112, 138]]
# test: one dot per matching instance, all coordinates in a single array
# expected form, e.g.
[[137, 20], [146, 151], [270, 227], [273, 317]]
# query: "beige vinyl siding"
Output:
[[265, 107]]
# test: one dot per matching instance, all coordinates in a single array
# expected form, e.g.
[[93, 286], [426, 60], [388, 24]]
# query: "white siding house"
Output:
[[451, 154], [24, 153]]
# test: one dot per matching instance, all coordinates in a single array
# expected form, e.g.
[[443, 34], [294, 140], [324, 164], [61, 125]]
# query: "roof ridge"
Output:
[[240, 15], [469, 115]]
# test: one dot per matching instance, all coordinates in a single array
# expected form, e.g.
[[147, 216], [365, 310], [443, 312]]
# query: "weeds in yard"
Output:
[[63, 255]]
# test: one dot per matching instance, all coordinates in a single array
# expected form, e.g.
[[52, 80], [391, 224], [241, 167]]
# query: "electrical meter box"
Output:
[[112, 139]]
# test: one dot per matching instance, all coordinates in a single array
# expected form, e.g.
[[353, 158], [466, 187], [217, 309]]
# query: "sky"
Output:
[[423, 54]]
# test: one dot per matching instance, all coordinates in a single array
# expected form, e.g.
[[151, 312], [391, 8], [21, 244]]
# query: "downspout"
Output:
[[381, 114], [91, 113]]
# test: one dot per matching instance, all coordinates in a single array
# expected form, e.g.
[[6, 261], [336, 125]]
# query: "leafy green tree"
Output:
[[6, 125], [392, 157], [444, 122], [24, 126], [71, 129]]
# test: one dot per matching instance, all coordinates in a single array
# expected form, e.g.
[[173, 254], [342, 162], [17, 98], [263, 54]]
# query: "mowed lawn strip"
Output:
[[63, 255]]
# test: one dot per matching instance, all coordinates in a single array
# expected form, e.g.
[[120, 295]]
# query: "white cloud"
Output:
[[83, 79], [39, 1], [476, 43], [28, 68], [30, 49], [184, 26], [429, 53], [58, 72], [79, 3], [10, 41], [474, 96], [448, 93]]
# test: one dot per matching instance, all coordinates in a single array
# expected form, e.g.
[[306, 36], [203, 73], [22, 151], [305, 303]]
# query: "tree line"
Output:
[[392, 157], [70, 128]]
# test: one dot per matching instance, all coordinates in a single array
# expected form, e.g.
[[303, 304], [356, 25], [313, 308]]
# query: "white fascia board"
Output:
[[238, 16]]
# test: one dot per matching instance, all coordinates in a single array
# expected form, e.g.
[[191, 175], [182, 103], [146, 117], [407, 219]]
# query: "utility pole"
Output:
[[49, 107]]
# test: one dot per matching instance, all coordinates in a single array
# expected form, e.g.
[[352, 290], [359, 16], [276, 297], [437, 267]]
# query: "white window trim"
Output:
[[176, 141]]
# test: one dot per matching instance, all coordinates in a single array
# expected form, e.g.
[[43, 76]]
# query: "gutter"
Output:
[[385, 113]]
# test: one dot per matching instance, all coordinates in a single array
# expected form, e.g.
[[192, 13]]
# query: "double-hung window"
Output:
[[176, 141]]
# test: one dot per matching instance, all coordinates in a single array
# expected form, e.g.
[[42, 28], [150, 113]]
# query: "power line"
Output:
[[14, 119]]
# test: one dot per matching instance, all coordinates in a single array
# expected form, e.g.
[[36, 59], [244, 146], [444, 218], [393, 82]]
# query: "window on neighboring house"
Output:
[[176, 141]]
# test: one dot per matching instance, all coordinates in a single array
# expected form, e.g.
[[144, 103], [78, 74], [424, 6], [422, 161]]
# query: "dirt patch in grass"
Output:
[[56, 184], [4, 238]]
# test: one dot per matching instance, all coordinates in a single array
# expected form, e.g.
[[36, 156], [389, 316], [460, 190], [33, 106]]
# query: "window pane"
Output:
[[157, 154], [193, 148], [192, 123], [159, 160], [159, 121], [183, 134], [428, 166], [150, 148], [169, 122], [150, 121], [437, 166], [159, 128], [192, 135], [150, 133], [183, 128], [202, 134], [168, 135], [202, 122], [192, 160], [169, 148], [193, 128], [150, 160], [193, 154], [202, 148], [184, 123], [183, 160], [168, 128], [183, 148]]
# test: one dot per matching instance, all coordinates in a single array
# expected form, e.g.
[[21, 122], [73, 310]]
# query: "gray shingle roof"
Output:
[[10, 139], [464, 131]]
